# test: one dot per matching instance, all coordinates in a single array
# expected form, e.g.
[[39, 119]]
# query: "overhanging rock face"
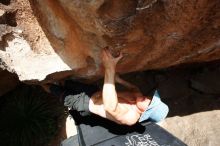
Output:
[[151, 33]]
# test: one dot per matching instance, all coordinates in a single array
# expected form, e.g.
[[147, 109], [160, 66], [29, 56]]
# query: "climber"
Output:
[[127, 107]]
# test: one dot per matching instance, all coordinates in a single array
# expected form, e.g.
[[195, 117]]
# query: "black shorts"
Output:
[[75, 95]]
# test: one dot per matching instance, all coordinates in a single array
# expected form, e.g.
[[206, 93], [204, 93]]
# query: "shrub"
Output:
[[29, 117]]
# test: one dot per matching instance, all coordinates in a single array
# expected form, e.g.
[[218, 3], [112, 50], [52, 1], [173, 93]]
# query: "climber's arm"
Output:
[[109, 95]]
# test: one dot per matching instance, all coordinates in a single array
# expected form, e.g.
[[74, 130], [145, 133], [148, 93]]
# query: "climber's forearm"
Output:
[[109, 95]]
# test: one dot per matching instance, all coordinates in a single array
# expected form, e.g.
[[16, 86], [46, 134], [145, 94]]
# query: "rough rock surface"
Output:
[[27, 64], [24, 49], [199, 129], [151, 33]]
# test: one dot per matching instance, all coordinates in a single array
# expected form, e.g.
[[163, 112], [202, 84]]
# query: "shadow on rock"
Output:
[[186, 90]]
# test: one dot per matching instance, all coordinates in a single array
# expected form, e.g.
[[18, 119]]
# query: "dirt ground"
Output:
[[20, 16], [33, 56]]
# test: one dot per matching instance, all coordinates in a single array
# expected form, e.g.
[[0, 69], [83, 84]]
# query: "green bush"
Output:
[[29, 117]]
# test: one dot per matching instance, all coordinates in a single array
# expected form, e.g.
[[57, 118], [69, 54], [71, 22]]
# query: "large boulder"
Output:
[[151, 34]]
